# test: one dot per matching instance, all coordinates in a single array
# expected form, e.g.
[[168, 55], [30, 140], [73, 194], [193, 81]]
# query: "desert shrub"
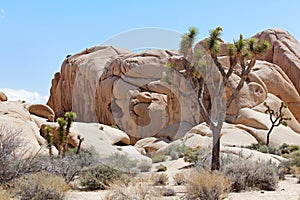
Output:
[[250, 175], [70, 165], [9, 157], [200, 157], [121, 162], [206, 185], [144, 166], [135, 190], [4, 194], [180, 178], [158, 158], [161, 168], [39, 186], [296, 172], [101, 177], [287, 149], [176, 151], [295, 158], [160, 179], [167, 192], [264, 148]]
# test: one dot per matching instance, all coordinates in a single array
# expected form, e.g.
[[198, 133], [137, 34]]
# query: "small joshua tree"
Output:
[[49, 139], [81, 139], [61, 134], [276, 118], [69, 117]]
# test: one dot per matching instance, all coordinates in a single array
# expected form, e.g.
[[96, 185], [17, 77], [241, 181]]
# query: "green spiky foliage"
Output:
[[69, 118], [61, 134], [187, 42], [276, 118], [81, 139], [49, 139]]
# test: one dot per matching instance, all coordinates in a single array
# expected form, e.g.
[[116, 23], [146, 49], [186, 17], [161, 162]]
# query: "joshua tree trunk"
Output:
[[268, 134]]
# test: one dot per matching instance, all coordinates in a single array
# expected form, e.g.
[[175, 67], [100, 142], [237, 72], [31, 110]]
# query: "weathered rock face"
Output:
[[74, 87], [124, 88], [42, 110], [285, 52], [3, 97], [277, 83], [15, 120], [130, 90]]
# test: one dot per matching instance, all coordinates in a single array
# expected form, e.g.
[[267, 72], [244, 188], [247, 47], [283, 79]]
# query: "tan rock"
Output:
[[151, 144], [284, 52], [97, 139], [78, 80], [256, 117], [279, 135], [15, 110], [3, 97], [251, 154], [116, 135], [15, 119], [231, 135], [279, 84], [42, 110], [251, 94]]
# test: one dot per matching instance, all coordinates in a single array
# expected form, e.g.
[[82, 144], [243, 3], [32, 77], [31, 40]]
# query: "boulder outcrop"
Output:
[[284, 52], [130, 90], [3, 97]]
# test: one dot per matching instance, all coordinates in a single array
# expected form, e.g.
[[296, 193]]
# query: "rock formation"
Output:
[[131, 90], [3, 97], [285, 52]]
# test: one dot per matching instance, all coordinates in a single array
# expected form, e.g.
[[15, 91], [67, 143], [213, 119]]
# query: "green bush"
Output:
[[101, 177], [158, 158], [264, 148], [161, 168], [295, 158], [69, 166], [39, 186], [121, 162], [176, 151], [246, 174], [200, 157]]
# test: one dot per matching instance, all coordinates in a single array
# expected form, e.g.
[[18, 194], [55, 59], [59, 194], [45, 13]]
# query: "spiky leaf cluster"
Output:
[[49, 137], [187, 41]]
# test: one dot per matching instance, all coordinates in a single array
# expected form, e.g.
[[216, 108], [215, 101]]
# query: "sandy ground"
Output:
[[287, 190]]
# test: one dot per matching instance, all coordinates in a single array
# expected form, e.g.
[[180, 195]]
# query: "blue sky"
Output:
[[35, 36]]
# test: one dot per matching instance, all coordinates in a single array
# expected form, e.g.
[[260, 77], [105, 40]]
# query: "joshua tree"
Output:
[[211, 74], [49, 139], [61, 134], [276, 118], [81, 139], [69, 117]]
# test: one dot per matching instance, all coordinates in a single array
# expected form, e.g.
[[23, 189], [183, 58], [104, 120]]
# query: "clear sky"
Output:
[[35, 36]]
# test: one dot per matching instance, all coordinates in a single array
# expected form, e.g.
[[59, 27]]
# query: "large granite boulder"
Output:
[[116, 87], [3, 97], [285, 52], [15, 121]]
